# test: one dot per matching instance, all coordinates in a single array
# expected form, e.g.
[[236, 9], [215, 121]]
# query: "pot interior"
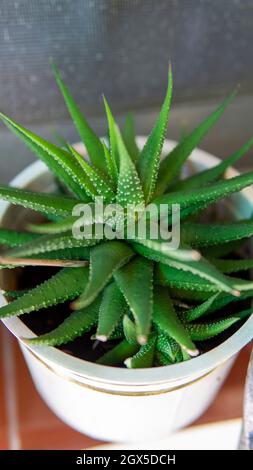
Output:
[[16, 218]]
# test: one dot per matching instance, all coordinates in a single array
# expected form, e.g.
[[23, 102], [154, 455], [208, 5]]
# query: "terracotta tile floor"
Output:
[[27, 423]]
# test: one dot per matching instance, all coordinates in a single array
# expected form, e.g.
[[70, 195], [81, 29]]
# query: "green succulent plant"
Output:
[[155, 306]]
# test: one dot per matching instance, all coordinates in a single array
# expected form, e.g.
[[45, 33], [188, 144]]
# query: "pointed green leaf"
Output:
[[13, 238], [60, 226], [58, 160], [200, 266], [144, 357], [200, 310], [72, 327], [232, 266], [208, 195], [135, 281], [111, 166], [65, 285], [118, 354], [148, 163], [187, 281], [42, 202], [128, 134], [105, 259], [76, 253], [112, 126], [48, 243], [176, 158], [159, 250], [225, 299], [112, 309], [129, 186], [214, 173], [199, 234], [69, 257], [166, 319], [91, 141], [204, 331], [66, 224], [179, 279]]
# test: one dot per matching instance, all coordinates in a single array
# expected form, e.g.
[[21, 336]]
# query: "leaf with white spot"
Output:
[[129, 186]]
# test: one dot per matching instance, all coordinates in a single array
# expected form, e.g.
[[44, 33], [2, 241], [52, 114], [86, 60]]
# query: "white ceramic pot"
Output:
[[116, 404]]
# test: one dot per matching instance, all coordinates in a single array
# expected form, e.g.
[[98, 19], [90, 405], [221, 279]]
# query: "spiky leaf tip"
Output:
[[91, 141], [135, 281], [172, 164], [149, 160]]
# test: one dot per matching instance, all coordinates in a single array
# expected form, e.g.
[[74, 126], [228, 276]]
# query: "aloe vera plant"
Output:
[[151, 305]]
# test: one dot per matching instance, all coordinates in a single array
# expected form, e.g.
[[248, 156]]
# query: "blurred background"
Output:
[[120, 48]]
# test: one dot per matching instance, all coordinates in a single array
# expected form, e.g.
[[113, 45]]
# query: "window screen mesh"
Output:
[[120, 48]]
